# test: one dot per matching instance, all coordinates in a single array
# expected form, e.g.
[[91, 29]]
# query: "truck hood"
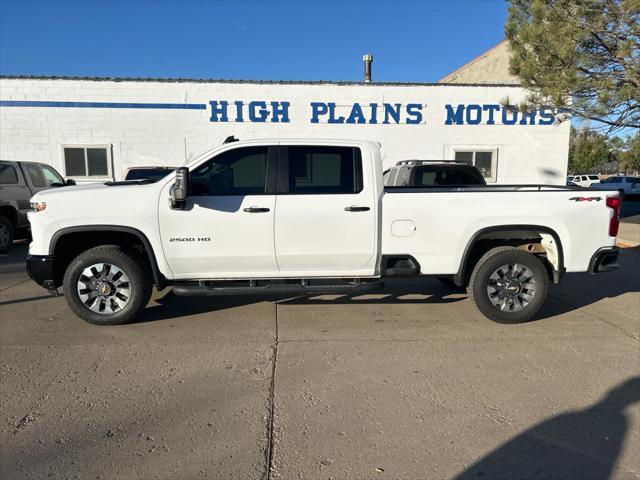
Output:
[[75, 191]]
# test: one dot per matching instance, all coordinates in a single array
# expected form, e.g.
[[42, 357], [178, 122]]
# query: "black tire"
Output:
[[7, 234], [488, 265], [139, 279]]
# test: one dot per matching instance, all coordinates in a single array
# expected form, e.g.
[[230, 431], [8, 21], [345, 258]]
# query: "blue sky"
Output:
[[412, 41]]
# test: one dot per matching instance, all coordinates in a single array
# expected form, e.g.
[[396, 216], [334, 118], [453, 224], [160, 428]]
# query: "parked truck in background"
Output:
[[311, 216], [19, 181], [432, 173]]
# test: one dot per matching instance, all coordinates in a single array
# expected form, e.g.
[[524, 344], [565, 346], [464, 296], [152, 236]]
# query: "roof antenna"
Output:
[[230, 139]]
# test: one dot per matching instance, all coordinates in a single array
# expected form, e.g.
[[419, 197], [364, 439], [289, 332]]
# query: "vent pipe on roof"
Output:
[[367, 59]]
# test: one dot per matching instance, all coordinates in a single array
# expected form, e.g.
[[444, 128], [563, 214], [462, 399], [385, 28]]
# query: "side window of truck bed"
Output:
[[324, 170], [242, 171]]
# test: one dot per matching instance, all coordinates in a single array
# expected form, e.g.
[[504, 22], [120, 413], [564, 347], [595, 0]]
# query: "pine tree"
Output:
[[582, 56]]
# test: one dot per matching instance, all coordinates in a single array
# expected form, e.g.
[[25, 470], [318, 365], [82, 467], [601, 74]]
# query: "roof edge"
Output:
[[257, 82]]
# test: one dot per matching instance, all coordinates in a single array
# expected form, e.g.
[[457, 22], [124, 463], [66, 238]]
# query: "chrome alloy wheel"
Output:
[[511, 287], [104, 288]]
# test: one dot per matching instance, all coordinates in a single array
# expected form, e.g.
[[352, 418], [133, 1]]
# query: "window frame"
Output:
[[475, 149], [284, 171], [85, 146]]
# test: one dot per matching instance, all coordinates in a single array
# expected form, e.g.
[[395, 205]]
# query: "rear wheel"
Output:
[[6, 234], [107, 285], [508, 285]]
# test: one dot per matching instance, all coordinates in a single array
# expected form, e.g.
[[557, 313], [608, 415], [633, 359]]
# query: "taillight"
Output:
[[614, 204]]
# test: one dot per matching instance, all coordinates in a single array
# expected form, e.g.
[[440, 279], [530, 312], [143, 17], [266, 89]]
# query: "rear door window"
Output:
[[8, 175], [324, 170]]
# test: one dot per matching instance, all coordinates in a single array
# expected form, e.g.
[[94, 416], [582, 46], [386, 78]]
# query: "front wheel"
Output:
[[107, 285], [508, 285]]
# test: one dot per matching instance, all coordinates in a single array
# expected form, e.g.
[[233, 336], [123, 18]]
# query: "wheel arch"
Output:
[[111, 232], [506, 233]]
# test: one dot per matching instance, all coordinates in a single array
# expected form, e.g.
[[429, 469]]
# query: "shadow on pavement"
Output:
[[583, 444], [174, 306], [579, 290], [630, 208], [15, 260]]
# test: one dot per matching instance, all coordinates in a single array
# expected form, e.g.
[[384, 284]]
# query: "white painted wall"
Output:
[[526, 153]]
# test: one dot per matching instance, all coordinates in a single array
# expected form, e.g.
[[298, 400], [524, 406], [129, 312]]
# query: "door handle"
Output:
[[256, 210], [354, 208]]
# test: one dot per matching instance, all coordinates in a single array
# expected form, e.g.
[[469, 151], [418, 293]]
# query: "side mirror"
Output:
[[70, 182], [180, 188]]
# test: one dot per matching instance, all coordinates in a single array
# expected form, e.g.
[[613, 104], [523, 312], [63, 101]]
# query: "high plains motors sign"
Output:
[[259, 111]]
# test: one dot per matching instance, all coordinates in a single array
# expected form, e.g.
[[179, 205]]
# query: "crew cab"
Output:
[[19, 181], [295, 217]]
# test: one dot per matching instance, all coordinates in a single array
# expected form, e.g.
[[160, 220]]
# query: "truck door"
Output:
[[226, 226], [326, 212]]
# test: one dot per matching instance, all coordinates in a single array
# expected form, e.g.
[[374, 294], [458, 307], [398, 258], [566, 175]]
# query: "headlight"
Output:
[[38, 206]]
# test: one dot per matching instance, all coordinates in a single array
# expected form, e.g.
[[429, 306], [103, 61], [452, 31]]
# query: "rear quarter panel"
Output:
[[445, 223]]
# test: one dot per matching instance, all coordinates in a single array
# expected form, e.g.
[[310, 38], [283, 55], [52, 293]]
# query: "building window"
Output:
[[87, 161], [485, 160]]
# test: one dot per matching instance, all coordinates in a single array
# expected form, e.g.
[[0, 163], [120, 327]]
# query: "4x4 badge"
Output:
[[585, 199]]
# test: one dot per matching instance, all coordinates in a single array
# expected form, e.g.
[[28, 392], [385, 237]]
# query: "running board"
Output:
[[301, 288]]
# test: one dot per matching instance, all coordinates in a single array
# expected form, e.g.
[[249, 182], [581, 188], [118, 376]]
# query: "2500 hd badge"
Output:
[[190, 239]]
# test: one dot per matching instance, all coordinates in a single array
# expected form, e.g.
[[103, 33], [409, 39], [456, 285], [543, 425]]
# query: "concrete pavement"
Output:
[[410, 382]]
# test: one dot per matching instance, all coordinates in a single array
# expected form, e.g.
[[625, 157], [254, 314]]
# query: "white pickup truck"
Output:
[[310, 217]]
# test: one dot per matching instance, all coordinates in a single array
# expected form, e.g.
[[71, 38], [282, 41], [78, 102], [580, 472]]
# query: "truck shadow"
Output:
[[576, 291], [171, 306], [575, 445]]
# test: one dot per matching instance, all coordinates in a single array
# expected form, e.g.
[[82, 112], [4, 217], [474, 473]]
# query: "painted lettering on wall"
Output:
[[494, 114], [373, 113], [259, 111]]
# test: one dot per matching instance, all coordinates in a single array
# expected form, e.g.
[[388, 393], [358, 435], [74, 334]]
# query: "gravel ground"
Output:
[[408, 383]]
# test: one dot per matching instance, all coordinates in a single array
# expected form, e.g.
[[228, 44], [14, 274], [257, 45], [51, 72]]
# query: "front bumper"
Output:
[[604, 260], [40, 269]]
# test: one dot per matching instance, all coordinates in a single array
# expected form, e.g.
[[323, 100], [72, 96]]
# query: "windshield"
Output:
[[154, 174]]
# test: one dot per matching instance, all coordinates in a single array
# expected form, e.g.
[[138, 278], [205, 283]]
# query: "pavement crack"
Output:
[[272, 401]]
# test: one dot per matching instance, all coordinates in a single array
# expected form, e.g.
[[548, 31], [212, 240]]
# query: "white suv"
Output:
[[584, 180]]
